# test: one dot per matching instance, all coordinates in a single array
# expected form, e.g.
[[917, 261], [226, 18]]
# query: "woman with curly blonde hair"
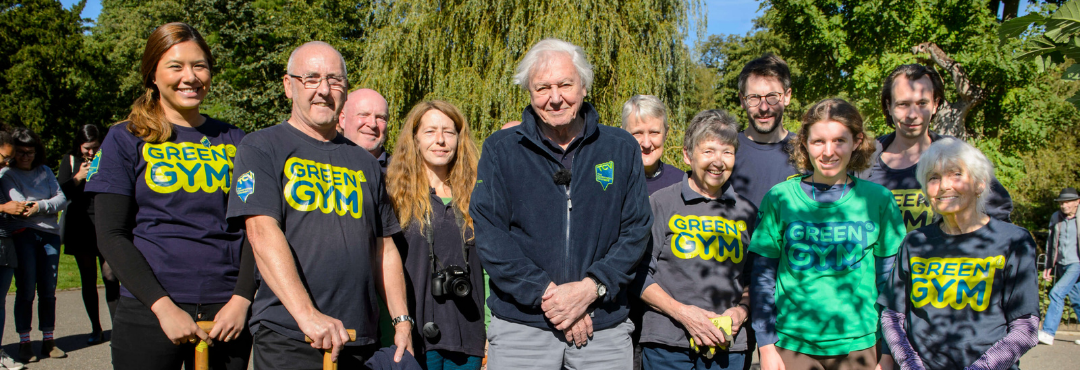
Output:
[[430, 182]]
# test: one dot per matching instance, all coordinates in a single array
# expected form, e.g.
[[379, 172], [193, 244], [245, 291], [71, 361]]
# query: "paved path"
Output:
[[72, 327]]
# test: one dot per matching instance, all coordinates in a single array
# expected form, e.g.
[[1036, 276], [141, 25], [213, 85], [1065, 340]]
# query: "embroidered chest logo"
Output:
[[193, 167], [953, 282], [914, 207], [605, 173], [245, 186], [707, 237], [93, 166], [825, 246], [313, 185]]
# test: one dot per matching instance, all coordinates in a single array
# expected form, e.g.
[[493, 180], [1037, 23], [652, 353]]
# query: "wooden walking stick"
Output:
[[202, 349], [327, 362]]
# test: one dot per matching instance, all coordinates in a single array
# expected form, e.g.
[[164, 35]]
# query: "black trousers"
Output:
[[276, 351], [139, 343]]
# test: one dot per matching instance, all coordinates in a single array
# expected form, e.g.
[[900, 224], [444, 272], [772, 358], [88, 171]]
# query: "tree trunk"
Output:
[[994, 6], [951, 116], [1012, 7]]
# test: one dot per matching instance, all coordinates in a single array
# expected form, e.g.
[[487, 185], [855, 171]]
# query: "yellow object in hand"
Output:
[[724, 324]]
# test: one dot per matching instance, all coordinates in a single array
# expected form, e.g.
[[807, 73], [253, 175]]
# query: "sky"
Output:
[[724, 16]]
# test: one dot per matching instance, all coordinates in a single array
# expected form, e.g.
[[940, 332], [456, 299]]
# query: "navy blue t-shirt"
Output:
[[959, 292], [759, 167], [181, 188], [909, 195], [330, 201], [669, 175]]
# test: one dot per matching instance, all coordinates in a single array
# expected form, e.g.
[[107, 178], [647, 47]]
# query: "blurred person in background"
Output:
[[37, 241], [77, 223]]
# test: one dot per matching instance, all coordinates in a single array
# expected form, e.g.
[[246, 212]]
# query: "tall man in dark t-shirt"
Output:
[[763, 159], [319, 222], [363, 121], [910, 96]]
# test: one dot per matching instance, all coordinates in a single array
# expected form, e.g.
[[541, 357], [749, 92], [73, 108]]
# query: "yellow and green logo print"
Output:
[[953, 282], [193, 167], [605, 173], [330, 189], [707, 237]]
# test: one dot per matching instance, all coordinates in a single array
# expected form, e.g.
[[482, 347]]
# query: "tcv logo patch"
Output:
[[245, 185], [605, 173]]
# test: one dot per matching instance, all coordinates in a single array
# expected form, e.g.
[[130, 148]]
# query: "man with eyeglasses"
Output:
[[763, 157], [910, 96], [319, 222], [364, 122]]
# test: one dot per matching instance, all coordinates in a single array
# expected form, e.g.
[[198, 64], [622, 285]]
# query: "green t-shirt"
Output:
[[825, 288]]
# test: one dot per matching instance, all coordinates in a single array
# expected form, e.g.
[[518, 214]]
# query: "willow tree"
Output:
[[465, 52]]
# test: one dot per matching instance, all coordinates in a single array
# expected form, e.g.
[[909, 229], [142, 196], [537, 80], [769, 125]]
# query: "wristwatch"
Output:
[[601, 289], [401, 319]]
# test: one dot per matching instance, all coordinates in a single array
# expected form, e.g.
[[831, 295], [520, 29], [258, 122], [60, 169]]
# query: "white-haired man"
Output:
[[562, 219]]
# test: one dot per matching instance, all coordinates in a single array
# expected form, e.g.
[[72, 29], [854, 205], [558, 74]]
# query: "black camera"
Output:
[[452, 280]]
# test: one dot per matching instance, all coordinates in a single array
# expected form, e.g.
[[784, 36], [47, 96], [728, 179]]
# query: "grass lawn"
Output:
[[68, 274]]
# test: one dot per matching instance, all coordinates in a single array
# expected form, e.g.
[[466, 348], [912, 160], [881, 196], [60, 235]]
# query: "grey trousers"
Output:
[[513, 346]]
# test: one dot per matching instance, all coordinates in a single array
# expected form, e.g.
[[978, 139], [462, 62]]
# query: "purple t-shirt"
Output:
[[181, 190]]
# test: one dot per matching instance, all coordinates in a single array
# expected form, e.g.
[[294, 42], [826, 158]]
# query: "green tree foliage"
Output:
[[466, 51], [846, 48], [43, 71], [461, 51]]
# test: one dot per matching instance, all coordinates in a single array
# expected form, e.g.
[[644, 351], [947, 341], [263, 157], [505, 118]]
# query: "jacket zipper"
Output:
[[569, 207]]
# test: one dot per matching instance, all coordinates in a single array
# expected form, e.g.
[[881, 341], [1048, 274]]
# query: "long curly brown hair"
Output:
[[837, 110], [406, 180]]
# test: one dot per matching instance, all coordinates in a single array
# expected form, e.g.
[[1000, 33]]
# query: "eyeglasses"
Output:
[[6, 159], [312, 81], [25, 153], [772, 98]]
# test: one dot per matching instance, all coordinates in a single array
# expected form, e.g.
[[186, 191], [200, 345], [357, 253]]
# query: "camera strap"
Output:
[[429, 234]]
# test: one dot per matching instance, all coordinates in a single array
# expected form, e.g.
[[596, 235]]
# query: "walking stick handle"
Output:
[[202, 349], [327, 362]]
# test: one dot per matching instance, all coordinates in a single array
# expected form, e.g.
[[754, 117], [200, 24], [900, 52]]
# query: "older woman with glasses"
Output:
[[964, 292], [37, 241]]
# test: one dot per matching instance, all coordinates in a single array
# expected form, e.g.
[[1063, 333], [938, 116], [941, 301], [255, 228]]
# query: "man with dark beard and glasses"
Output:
[[763, 158]]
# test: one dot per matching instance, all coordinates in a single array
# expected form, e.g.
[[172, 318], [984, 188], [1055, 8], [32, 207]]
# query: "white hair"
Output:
[[948, 153], [292, 56], [542, 51], [641, 106]]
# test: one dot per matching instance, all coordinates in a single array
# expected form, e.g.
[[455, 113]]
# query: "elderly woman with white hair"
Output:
[[645, 117], [964, 291]]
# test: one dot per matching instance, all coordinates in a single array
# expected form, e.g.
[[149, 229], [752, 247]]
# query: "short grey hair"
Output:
[[539, 54], [292, 56], [949, 152], [712, 124], [641, 106]]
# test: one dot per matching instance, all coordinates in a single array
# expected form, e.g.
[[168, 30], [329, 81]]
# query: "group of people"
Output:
[[35, 206], [822, 248]]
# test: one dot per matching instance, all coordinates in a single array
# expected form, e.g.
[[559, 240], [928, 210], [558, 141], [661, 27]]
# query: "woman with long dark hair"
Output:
[[430, 182], [37, 241], [80, 238], [162, 180]]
